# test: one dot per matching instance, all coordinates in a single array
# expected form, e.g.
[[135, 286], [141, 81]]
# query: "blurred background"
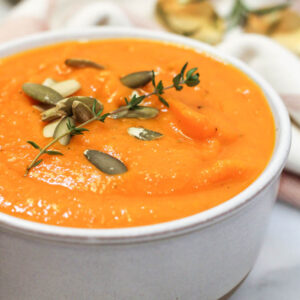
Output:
[[207, 20], [265, 34]]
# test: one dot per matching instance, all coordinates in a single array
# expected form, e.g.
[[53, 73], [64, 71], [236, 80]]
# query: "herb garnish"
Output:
[[132, 109], [72, 130], [191, 78]]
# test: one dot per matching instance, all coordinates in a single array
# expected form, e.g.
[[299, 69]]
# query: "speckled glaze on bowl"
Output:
[[203, 256]]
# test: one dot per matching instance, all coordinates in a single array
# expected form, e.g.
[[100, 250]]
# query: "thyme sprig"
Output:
[[189, 78], [72, 130]]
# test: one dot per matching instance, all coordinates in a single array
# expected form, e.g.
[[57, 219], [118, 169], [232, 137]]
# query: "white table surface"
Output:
[[276, 275]]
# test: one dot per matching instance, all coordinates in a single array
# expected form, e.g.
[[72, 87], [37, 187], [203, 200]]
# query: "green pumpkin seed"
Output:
[[67, 87], [137, 79], [66, 104], [52, 114], [62, 128], [142, 112], [139, 112], [119, 113], [41, 93], [144, 134], [49, 82], [49, 129], [105, 162], [42, 107], [82, 63], [81, 112]]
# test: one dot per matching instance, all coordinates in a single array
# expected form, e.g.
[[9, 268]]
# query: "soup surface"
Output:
[[217, 138]]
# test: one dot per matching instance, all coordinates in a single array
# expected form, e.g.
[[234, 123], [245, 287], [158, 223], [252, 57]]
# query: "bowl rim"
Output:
[[178, 226]]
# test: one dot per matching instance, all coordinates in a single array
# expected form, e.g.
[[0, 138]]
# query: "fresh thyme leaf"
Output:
[[53, 152], [78, 130], [37, 163], [153, 79], [135, 101], [159, 88], [99, 113], [176, 82], [34, 145], [163, 101], [103, 117], [69, 125], [189, 74], [183, 69], [94, 107], [63, 130], [192, 80]]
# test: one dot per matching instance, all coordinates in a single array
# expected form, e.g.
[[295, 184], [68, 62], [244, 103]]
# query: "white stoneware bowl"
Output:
[[203, 256]]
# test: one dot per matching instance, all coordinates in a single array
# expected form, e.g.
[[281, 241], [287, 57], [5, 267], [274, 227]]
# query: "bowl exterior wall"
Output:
[[204, 263]]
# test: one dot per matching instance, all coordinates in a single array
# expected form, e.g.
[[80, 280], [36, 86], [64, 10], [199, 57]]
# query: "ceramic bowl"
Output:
[[203, 256]]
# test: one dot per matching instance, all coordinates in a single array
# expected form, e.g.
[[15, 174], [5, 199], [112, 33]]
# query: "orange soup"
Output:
[[212, 142]]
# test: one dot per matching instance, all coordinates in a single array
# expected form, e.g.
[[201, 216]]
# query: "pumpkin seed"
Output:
[[41, 93], [42, 107], [67, 87], [139, 112], [137, 79], [62, 128], [81, 112], [144, 134], [49, 82], [119, 113], [52, 114], [49, 129], [143, 112], [82, 63], [66, 104], [105, 162]]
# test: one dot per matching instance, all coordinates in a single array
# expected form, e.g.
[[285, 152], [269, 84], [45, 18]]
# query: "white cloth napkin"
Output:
[[276, 64]]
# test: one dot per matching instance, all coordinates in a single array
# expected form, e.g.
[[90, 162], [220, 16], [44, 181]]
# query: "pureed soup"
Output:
[[144, 163]]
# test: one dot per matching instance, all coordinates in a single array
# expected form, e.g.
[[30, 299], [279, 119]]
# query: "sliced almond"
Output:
[[62, 128], [49, 82], [49, 129], [67, 87]]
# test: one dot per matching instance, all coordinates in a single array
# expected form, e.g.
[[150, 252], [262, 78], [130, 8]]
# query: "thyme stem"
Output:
[[43, 150]]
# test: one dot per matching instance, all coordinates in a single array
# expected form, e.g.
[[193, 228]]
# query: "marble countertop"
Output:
[[276, 274]]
